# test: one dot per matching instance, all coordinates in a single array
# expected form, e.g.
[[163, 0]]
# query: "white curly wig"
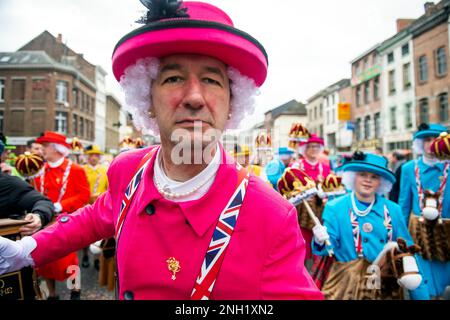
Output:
[[418, 146], [136, 84], [301, 149], [348, 180], [61, 149]]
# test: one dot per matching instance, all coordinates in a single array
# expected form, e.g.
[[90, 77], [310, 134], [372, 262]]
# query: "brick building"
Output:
[[46, 86], [366, 100], [431, 59]]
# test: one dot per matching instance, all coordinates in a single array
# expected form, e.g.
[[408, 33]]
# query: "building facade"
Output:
[[430, 35], [278, 121], [100, 108], [398, 115], [46, 86], [314, 110], [366, 100], [337, 135]]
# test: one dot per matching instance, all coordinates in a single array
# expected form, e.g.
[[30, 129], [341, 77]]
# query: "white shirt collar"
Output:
[[204, 178], [57, 163]]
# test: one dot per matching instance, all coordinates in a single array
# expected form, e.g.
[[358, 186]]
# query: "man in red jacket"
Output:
[[66, 184]]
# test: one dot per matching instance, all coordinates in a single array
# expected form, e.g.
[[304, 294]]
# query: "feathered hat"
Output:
[[190, 27]]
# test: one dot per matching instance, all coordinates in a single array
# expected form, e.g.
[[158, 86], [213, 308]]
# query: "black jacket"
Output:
[[17, 198]]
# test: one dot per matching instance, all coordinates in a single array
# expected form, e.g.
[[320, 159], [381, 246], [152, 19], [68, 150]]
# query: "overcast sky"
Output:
[[309, 43]]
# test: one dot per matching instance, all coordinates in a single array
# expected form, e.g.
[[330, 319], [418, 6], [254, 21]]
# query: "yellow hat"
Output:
[[93, 150]]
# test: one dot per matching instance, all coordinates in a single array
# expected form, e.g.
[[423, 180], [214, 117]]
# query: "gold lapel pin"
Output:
[[174, 266]]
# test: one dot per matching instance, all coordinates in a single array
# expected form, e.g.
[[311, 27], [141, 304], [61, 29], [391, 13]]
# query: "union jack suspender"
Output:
[[357, 239], [131, 189], [220, 240]]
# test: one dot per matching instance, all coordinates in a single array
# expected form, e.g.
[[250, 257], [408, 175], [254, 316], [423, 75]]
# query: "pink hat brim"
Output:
[[227, 47]]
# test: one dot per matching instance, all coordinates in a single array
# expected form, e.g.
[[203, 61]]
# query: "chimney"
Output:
[[429, 7], [59, 38], [403, 23]]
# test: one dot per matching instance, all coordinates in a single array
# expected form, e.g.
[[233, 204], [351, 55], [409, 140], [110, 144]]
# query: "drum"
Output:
[[304, 219], [432, 236], [21, 284]]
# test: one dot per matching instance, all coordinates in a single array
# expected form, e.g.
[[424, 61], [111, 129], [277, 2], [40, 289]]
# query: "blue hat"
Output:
[[429, 130], [284, 150], [371, 163]]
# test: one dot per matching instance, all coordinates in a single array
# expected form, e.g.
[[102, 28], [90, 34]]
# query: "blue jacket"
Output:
[[437, 274], [429, 178], [336, 217]]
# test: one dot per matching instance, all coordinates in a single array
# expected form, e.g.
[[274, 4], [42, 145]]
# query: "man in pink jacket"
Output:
[[189, 223]]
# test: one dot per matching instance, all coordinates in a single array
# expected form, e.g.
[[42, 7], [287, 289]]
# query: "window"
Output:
[[333, 116], [367, 132], [358, 95], [406, 76], [366, 63], [366, 92], [424, 111], [321, 110], [61, 91], [81, 127], [393, 118], [39, 89], [332, 99], [328, 117], [405, 49], [443, 107], [376, 88], [441, 61], [408, 118], [16, 122], [358, 129], [423, 69], [390, 57], [1, 121], [18, 89], [37, 122], [376, 120], [61, 122], [391, 81], [315, 112], [2, 90], [75, 97], [75, 125]]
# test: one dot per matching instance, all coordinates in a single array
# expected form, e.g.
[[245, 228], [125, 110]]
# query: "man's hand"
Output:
[[34, 226], [14, 255], [5, 168]]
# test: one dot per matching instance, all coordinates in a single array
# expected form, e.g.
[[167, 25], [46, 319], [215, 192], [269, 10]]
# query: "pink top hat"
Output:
[[314, 139], [176, 27]]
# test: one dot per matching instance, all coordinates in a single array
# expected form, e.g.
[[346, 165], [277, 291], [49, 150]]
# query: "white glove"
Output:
[[14, 255], [320, 234], [58, 207]]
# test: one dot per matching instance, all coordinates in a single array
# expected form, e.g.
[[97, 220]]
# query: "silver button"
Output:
[[64, 219]]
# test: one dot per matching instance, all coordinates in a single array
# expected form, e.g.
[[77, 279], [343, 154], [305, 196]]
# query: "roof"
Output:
[[38, 60], [343, 83], [365, 53], [292, 107]]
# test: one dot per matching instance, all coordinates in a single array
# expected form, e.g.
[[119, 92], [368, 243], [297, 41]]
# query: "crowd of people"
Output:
[[297, 226]]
